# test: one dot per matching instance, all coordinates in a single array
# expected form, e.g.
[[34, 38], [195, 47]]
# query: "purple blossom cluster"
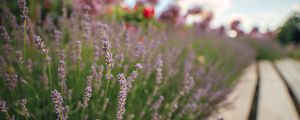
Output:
[[60, 110], [159, 75], [23, 8], [19, 56], [4, 35], [87, 96], [11, 80], [76, 53], [39, 43], [62, 72], [23, 107], [108, 56], [3, 107], [122, 95]]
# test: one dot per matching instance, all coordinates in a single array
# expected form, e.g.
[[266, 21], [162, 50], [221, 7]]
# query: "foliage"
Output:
[[289, 32], [265, 49], [294, 53]]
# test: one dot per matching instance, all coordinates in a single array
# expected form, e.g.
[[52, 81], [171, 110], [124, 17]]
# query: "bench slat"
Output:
[[290, 71], [240, 99], [274, 101]]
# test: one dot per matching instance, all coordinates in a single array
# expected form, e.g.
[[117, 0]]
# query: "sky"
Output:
[[266, 14]]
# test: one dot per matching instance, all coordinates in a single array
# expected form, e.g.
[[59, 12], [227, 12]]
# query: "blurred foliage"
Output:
[[265, 49], [38, 9], [130, 16], [295, 54], [290, 31]]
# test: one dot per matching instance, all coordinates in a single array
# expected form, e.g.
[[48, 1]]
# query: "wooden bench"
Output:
[[290, 71], [240, 98], [274, 101]]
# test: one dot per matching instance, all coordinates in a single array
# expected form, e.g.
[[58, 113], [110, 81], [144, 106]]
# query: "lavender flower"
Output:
[[11, 80], [19, 57], [62, 72], [139, 66], [23, 108], [133, 75], [62, 63], [7, 49], [199, 94], [3, 107], [158, 103], [108, 57], [155, 108], [4, 35], [122, 96], [96, 73], [57, 35], [159, 75], [6, 39], [39, 43], [87, 96], [131, 78], [90, 80], [77, 51], [96, 53], [188, 85], [156, 116], [101, 26], [191, 106], [57, 38], [127, 41], [57, 100], [87, 23], [139, 50], [23, 8]]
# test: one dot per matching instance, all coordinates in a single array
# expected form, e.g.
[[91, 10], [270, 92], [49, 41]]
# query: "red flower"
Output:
[[148, 12]]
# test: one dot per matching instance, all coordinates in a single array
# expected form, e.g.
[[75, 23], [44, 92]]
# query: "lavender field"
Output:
[[61, 60]]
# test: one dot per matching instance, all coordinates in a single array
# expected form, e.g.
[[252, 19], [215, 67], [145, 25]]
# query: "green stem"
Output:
[[107, 88], [83, 111], [149, 101], [25, 36], [7, 115], [107, 84], [50, 76], [50, 82], [78, 70]]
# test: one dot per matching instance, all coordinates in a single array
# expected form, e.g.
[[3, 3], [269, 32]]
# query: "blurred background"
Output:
[[276, 20]]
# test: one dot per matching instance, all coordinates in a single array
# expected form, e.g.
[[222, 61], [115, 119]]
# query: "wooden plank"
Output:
[[240, 99], [290, 71], [274, 101]]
